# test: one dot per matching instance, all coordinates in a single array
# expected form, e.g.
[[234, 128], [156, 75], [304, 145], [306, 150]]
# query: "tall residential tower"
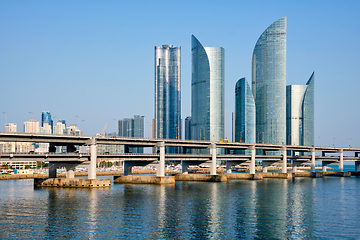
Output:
[[167, 92], [269, 84], [207, 92]]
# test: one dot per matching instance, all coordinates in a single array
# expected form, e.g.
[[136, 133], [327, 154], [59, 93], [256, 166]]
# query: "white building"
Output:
[[31, 126], [10, 127]]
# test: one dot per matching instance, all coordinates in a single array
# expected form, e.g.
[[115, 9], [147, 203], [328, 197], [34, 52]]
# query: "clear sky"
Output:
[[95, 59]]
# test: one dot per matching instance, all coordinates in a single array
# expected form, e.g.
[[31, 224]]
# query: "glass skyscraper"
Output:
[[269, 84], [167, 92], [46, 117], [132, 127], [300, 113], [244, 113], [207, 92]]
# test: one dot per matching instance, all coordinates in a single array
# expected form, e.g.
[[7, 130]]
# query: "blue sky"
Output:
[[95, 59]]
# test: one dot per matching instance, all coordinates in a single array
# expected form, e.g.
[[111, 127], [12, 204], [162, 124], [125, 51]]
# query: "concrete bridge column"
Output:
[[93, 156], [252, 163], [52, 170], [341, 164], [161, 169], [228, 166], [357, 163], [127, 168], [213, 159], [184, 167], [284, 163], [294, 168], [313, 160], [324, 166], [70, 173]]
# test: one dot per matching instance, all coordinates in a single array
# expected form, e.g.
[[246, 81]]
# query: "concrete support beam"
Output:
[[213, 159], [128, 168], [252, 163], [52, 170], [313, 160], [93, 156], [357, 163], [284, 163], [161, 168], [341, 164]]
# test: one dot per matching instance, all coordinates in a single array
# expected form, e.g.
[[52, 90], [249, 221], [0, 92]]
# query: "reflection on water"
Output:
[[270, 208]]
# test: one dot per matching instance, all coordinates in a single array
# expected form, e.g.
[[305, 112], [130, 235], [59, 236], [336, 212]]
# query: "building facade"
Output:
[[207, 92], [300, 113], [269, 83], [245, 116], [10, 127], [132, 127], [31, 126], [167, 92], [46, 117]]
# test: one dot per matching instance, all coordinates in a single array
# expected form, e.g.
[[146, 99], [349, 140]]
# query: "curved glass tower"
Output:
[[269, 84], [207, 91], [300, 113], [244, 113], [308, 113], [167, 92]]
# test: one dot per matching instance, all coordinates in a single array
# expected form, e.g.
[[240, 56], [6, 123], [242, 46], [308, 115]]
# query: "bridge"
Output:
[[88, 160]]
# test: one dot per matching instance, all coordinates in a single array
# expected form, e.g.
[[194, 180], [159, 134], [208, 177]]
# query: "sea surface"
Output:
[[316, 208]]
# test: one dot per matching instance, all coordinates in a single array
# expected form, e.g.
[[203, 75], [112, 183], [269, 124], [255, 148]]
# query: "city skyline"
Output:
[[83, 68]]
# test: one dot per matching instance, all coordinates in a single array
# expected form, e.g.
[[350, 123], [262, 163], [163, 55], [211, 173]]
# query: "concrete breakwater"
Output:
[[107, 173]]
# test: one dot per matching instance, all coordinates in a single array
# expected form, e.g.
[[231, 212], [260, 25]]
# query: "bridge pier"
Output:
[[284, 163], [294, 168], [313, 160], [161, 168], [52, 170], [213, 159], [93, 156], [357, 163], [252, 163], [341, 164], [265, 164]]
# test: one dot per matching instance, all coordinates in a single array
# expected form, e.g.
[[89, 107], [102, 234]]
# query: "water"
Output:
[[271, 208]]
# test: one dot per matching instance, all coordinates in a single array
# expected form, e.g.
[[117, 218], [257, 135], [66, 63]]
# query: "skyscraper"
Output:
[[269, 84], [300, 113], [244, 112], [132, 127], [188, 128], [167, 92], [46, 117], [207, 91]]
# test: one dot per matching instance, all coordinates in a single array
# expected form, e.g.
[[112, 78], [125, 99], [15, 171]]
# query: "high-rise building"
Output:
[[31, 126], [59, 128], [132, 127], [167, 92], [10, 127], [269, 83], [188, 128], [207, 92], [300, 113], [46, 117], [244, 113]]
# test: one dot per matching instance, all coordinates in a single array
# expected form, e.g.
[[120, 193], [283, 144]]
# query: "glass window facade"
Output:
[[244, 113], [132, 127], [269, 84], [46, 117], [207, 91], [167, 92], [300, 113]]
